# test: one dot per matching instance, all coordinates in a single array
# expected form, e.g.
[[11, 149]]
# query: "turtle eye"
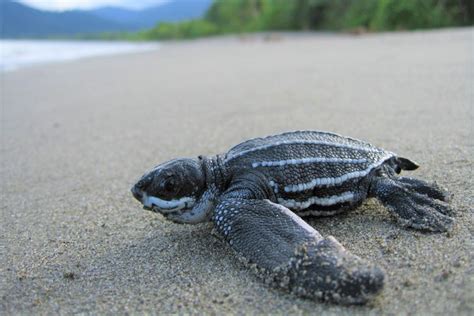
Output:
[[168, 185]]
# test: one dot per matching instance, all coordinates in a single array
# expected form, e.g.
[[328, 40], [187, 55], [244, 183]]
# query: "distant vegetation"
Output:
[[238, 16], [178, 18]]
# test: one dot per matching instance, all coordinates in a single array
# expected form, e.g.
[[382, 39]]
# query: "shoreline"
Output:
[[137, 47], [19, 53]]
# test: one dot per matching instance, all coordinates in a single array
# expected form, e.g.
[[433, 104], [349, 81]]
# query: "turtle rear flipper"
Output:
[[414, 203], [294, 256], [407, 164], [432, 190]]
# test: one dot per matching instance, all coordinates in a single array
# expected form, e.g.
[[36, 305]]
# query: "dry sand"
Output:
[[75, 137]]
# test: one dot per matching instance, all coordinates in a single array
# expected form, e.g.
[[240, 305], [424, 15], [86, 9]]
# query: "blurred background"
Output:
[[154, 20]]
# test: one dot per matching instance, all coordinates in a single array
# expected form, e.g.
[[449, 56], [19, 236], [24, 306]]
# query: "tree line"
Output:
[[242, 16]]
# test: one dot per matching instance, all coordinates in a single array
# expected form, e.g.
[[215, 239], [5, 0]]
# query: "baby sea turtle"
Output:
[[257, 193]]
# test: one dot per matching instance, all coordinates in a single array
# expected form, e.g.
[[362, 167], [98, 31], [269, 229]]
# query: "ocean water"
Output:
[[15, 54]]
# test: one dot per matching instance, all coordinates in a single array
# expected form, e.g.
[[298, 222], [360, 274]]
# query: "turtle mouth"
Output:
[[157, 205]]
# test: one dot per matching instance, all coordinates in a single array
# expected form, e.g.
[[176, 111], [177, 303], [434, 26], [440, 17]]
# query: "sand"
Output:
[[76, 135]]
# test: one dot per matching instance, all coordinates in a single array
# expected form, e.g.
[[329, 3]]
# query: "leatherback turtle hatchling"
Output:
[[256, 193]]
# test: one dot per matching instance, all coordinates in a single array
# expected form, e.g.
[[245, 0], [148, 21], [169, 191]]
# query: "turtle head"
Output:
[[173, 189]]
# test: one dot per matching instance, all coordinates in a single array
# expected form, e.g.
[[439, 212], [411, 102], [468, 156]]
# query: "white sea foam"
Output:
[[16, 54]]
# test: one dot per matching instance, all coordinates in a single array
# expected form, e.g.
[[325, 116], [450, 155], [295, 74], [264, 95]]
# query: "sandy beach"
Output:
[[76, 136]]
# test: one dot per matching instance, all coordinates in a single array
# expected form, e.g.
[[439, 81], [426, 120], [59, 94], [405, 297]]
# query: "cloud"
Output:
[[60, 5]]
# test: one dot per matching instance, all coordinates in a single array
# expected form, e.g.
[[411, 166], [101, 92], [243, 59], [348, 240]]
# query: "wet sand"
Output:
[[75, 136]]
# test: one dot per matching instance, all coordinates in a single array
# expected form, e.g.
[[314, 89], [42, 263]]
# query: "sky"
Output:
[[60, 5]]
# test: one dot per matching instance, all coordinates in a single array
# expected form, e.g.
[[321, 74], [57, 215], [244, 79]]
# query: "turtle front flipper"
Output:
[[292, 255], [414, 203]]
